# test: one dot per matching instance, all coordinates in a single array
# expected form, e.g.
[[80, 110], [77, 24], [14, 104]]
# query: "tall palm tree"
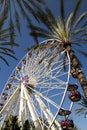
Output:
[[6, 44], [67, 31], [17, 8], [11, 124], [26, 125]]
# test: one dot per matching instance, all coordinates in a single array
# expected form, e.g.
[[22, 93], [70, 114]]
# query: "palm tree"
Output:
[[26, 125], [6, 44], [17, 8], [66, 31], [11, 124], [83, 104]]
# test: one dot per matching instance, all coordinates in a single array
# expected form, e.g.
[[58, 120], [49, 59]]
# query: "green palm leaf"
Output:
[[81, 17], [1, 57], [75, 11], [17, 9], [6, 43]]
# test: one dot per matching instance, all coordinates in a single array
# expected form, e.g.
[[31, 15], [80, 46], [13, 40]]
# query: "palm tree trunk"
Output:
[[75, 63]]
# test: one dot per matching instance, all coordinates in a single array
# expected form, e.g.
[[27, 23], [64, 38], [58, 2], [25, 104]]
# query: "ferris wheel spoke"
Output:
[[37, 88], [10, 100], [46, 98]]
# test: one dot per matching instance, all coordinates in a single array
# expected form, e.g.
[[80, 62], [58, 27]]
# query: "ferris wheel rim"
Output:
[[25, 57]]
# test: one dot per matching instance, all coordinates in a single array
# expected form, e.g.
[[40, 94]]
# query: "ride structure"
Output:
[[38, 89]]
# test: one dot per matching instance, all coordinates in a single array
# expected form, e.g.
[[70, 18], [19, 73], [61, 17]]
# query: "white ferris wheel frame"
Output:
[[26, 97]]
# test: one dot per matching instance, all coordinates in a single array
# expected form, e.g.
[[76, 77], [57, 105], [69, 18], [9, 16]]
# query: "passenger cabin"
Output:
[[18, 69], [1, 106], [23, 62], [8, 86], [4, 96], [63, 112], [75, 96], [67, 124]]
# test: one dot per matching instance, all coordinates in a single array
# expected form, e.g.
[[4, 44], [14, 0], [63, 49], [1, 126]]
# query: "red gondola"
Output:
[[75, 96], [67, 124], [64, 125]]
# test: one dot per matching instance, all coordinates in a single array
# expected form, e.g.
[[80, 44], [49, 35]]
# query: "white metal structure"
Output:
[[37, 88]]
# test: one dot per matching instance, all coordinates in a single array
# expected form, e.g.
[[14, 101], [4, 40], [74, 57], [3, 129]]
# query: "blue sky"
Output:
[[25, 41]]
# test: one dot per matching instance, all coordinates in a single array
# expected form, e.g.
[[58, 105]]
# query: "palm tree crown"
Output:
[[67, 31], [17, 8], [6, 42]]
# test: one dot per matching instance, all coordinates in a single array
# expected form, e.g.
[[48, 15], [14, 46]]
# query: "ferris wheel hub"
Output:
[[32, 81], [29, 80]]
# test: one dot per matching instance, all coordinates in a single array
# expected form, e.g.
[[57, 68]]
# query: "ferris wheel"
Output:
[[38, 88]]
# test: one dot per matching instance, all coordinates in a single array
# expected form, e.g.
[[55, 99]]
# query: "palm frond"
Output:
[[41, 1], [62, 11], [75, 11], [1, 2], [38, 29], [3, 31], [20, 9], [6, 50], [82, 52], [41, 32], [83, 39], [68, 24], [5, 45], [76, 43], [50, 15], [30, 10], [3, 37], [11, 30], [2, 20], [81, 17], [84, 101], [47, 18], [80, 41], [2, 58], [44, 35], [17, 18], [8, 54], [77, 31], [80, 111]]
